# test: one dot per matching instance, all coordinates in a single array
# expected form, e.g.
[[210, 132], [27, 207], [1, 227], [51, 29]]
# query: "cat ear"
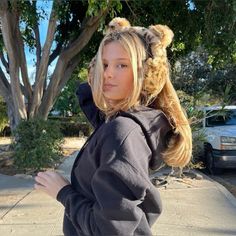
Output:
[[164, 33], [117, 23]]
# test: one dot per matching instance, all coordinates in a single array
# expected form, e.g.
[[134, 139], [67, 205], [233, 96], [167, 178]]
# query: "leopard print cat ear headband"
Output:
[[153, 37]]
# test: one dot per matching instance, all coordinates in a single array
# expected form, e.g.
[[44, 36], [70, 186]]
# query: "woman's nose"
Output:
[[108, 72]]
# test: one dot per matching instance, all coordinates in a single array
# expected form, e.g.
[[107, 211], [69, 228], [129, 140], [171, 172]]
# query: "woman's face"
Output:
[[118, 73]]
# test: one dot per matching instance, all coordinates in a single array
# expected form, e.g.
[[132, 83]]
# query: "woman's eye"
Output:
[[105, 65], [121, 65]]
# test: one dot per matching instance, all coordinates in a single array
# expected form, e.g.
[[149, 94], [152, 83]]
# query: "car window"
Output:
[[221, 118]]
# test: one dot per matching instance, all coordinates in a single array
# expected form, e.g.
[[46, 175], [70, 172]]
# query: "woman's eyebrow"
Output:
[[117, 59]]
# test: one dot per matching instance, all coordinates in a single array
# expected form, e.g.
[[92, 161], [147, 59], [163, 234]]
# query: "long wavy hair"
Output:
[[151, 84]]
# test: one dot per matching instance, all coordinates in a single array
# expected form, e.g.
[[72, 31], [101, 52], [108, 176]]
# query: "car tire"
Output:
[[210, 163]]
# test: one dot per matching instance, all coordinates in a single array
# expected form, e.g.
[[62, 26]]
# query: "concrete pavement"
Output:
[[190, 207]]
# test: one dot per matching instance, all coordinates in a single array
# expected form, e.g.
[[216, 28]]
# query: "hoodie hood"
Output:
[[156, 129]]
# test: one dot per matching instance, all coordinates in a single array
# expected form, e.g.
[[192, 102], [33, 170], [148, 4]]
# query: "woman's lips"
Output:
[[108, 86]]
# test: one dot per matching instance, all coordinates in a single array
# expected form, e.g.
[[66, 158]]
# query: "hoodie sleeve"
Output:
[[93, 114], [119, 189]]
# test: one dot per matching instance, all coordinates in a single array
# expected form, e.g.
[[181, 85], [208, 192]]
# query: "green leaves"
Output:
[[3, 115], [95, 6], [195, 23], [67, 102], [219, 30], [37, 144]]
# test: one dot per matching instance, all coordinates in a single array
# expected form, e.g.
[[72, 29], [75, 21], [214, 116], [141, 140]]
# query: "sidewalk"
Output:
[[191, 207]]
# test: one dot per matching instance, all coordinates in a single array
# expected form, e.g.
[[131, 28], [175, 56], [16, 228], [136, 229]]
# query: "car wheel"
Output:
[[210, 163]]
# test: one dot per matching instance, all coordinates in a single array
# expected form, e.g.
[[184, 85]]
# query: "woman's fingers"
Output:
[[39, 187], [42, 178], [50, 182]]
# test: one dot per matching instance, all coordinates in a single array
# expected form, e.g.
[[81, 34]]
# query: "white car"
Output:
[[219, 126]]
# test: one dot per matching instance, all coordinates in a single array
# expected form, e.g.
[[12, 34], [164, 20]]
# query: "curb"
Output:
[[222, 189]]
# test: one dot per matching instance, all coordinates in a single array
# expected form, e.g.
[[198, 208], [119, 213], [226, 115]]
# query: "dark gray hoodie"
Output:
[[110, 191]]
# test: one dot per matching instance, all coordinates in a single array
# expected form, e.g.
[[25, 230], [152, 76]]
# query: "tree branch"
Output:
[[89, 26], [4, 62], [68, 72], [55, 53], [48, 98], [23, 65], [37, 40], [5, 89], [43, 66]]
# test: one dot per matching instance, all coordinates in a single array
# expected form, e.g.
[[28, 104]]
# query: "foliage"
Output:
[[222, 85], [76, 129], [210, 24], [95, 6], [73, 126], [72, 13], [192, 72], [219, 30], [37, 144], [194, 75], [3, 115], [67, 102]]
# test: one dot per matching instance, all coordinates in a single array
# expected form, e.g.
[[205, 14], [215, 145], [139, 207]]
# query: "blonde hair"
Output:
[[151, 86], [131, 43]]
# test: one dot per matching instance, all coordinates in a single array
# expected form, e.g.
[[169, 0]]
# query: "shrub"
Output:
[[6, 132], [3, 115], [37, 144], [75, 129], [73, 126]]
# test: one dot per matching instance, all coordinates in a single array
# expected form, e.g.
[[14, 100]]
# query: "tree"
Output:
[[195, 75], [71, 26], [192, 73], [210, 24], [222, 85]]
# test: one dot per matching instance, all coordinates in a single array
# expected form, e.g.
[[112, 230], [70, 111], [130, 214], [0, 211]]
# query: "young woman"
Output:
[[138, 124]]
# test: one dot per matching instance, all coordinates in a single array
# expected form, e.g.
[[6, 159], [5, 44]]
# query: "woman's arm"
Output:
[[85, 97], [120, 185], [116, 210]]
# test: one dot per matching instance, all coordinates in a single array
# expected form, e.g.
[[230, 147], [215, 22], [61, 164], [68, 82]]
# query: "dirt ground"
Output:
[[72, 144], [69, 146]]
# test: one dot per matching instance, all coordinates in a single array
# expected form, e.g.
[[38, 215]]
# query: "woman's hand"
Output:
[[50, 182]]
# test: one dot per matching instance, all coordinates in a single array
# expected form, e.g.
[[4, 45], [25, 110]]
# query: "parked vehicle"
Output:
[[219, 126]]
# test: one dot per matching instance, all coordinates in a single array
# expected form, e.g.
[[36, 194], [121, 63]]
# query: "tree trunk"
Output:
[[11, 115], [10, 22]]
